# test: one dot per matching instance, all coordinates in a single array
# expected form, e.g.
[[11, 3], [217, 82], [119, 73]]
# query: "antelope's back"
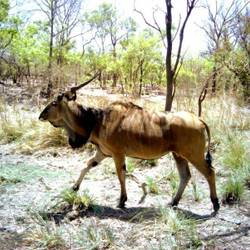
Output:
[[131, 130]]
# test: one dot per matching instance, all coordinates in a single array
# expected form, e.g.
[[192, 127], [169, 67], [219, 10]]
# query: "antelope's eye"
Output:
[[54, 103]]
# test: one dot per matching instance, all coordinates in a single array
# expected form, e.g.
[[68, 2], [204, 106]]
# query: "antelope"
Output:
[[124, 129]]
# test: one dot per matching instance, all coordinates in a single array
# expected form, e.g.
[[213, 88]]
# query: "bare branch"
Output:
[[191, 5], [178, 28], [145, 20], [159, 29], [203, 92]]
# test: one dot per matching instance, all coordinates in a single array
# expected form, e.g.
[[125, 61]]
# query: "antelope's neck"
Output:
[[82, 120]]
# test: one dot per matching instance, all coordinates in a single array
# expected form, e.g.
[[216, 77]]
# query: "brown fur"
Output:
[[125, 129]]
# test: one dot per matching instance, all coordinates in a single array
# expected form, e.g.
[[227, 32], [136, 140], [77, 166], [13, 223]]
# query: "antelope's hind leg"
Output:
[[184, 174], [207, 170], [121, 173], [92, 162]]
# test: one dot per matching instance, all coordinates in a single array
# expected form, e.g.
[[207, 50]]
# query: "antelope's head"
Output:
[[55, 110]]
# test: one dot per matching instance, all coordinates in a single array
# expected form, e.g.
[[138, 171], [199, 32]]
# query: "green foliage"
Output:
[[4, 9], [8, 31], [69, 196], [29, 46], [142, 60]]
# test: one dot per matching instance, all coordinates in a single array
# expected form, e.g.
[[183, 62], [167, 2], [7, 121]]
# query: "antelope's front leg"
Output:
[[121, 173], [92, 162]]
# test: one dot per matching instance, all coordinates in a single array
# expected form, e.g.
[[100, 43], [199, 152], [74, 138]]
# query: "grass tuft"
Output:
[[45, 235], [4, 180], [233, 189], [99, 238], [172, 179], [82, 200], [183, 229], [234, 152], [130, 165], [234, 157], [152, 185]]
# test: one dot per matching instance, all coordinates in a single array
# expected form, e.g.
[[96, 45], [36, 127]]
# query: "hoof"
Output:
[[173, 203], [122, 201], [122, 206], [216, 205], [75, 187]]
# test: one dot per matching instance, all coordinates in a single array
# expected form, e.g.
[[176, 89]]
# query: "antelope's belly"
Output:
[[146, 150]]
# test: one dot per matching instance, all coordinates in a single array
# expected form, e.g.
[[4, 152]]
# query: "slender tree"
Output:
[[109, 30], [221, 18], [173, 64], [62, 16]]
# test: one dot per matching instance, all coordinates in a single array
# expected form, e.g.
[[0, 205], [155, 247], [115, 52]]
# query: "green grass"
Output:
[[130, 165], [82, 200], [46, 238], [234, 153], [152, 185], [197, 193], [28, 173], [233, 189], [181, 230]]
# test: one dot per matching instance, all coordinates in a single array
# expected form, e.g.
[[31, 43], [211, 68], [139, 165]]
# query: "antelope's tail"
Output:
[[208, 155]]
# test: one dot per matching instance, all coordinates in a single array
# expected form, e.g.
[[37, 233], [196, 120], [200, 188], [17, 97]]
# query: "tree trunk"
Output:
[[170, 87], [114, 80], [169, 72], [114, 73], [214, 79], [141, 77], [49, 86]]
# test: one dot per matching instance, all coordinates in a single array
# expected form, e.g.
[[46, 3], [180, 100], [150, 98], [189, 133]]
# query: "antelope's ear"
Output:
[[70, 95]]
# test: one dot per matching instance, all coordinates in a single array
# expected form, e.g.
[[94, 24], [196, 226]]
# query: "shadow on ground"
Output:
[[132, 214]]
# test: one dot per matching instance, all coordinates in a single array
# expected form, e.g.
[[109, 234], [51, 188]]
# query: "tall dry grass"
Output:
[[23, 128]]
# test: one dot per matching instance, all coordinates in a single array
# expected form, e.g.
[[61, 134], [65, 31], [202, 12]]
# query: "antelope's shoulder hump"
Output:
[[121, 105]]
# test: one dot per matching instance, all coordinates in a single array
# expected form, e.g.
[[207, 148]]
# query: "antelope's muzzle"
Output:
[[43, 116]]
